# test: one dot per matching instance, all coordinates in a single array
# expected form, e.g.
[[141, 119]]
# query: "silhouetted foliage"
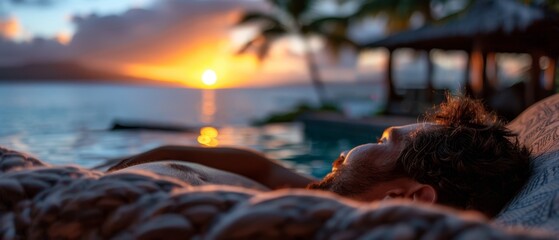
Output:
[[298, 18]]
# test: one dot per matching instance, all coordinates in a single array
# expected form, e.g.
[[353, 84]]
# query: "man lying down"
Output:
[[462, 157]]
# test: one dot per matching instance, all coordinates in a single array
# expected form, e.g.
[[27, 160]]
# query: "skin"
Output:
[[250, 169], [196, 174], [380, 156], [243, 162]]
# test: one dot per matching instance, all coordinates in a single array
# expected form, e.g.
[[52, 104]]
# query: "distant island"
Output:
[[67, 72], [74, 72]]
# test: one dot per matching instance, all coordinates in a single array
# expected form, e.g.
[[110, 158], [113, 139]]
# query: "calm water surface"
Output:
[[69, 124]]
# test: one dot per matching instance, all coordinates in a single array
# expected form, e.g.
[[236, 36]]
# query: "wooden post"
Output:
[[430, 71], [485, 89], [533, 84], [492, 73], [392, 96], [550, 73], [477, 64], [467, 75]]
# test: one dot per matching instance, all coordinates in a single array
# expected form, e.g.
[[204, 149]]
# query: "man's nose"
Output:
[[344, 154], [340, 160]]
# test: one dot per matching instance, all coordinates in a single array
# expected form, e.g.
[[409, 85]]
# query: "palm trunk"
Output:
[[315, 75], [430, 74], [392, 95]]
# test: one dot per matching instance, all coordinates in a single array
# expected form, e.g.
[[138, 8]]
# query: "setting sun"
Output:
[[209, 77]]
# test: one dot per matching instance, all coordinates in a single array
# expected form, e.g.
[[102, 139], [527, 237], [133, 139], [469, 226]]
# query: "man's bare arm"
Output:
[[248, 163]]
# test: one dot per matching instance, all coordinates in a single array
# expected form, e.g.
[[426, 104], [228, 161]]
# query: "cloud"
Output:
[[166, 32], [33, 2], [173, 40], [9, 27], [14, 52], [37, 50], [170, 28]]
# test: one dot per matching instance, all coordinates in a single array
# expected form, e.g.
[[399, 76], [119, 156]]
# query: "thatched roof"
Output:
[[499, 25]]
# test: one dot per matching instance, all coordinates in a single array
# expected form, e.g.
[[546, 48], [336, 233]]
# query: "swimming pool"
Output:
[[69, 124]]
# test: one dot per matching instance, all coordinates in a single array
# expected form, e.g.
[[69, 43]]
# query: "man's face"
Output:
[[365, 172]]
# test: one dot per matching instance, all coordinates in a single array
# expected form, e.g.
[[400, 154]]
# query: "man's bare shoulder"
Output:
[[196, 174]]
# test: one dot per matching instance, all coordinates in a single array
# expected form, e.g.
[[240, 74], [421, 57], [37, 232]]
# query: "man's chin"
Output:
[[326, 184], [318, 186], [335, 182]]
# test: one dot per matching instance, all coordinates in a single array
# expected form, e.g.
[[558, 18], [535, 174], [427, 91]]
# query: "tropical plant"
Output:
[[550, 4], [302, 20], [401, 12]]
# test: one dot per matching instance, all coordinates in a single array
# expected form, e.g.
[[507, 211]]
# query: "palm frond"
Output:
[[338, 41], [325, 21], [262, 43], [374, 7], [248, 45], [400, 12], [268, 38], [275, 3], [297, 8], [263, 50], [456, 14], [256, 17], [274, 31], [406, 8]]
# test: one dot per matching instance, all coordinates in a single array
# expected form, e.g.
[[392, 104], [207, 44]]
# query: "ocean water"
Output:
[[70, 123]]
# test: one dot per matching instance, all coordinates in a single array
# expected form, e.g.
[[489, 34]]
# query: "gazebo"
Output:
[[488, 27]]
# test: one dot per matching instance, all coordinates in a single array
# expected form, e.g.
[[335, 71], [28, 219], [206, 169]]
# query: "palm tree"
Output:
[[298, 18]]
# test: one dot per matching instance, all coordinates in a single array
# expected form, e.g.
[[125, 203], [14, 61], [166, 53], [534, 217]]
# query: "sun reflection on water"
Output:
[[208, 137], [208, 107]]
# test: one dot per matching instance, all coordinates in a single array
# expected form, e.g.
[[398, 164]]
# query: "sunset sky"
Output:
[[167, 40]]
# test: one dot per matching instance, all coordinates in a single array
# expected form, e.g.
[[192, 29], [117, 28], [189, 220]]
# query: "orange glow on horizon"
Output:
[[177, 54], [233, 71], [184, 66]]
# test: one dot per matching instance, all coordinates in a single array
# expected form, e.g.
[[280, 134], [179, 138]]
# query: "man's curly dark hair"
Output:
[[470, 158]]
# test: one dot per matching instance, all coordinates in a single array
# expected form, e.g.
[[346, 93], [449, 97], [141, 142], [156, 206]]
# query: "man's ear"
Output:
[[423, 193]]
